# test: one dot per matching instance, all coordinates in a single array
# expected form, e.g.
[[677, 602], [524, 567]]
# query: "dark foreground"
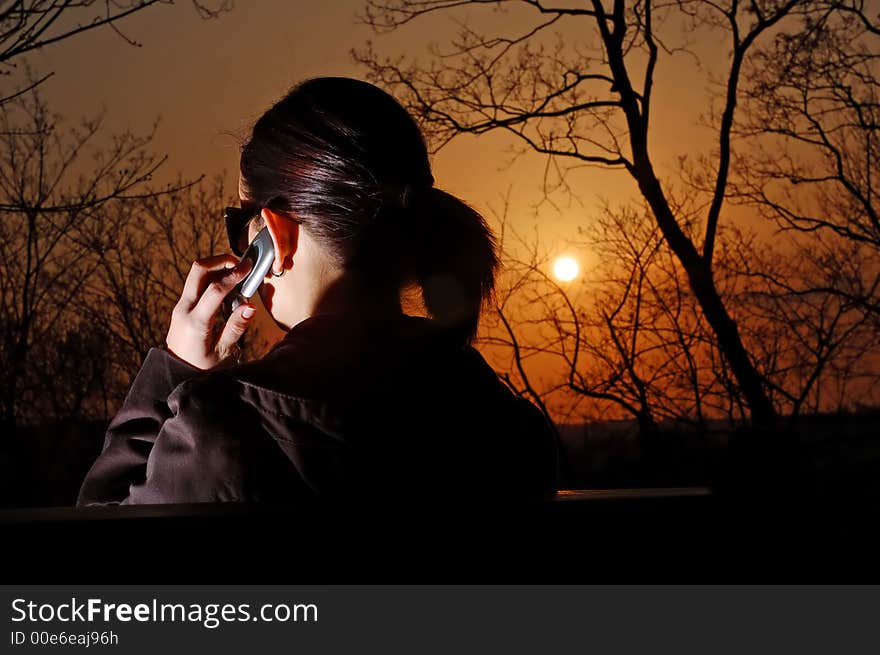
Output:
[[650, 535]]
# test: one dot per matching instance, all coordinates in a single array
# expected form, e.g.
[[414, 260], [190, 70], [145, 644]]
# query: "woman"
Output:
[[358, 398]]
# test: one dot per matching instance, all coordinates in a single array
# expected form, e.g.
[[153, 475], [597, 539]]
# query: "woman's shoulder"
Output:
[[311, 371], [333, 356]]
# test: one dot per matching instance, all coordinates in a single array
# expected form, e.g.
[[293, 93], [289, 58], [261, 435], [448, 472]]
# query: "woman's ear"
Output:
[[285, 238]]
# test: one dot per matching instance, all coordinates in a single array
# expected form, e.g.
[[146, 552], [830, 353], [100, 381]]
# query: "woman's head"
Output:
[[348, 162]]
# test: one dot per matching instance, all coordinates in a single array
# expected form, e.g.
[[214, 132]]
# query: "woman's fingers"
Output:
[[191, 335], [199, 278], [234, 328], [222, 283]]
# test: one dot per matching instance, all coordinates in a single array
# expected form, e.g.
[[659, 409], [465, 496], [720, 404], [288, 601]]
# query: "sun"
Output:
[[565, 268]]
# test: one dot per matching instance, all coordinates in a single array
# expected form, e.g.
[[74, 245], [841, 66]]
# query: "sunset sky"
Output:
[[207, 78], [204, 78]]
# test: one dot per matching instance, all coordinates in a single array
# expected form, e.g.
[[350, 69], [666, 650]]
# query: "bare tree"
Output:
[[811, 155], [628, 338], [588, 102], [70, 375], [814, 346], [54, 221], [27, 25]]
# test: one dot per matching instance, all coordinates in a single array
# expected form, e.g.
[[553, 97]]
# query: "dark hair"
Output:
[[349, 161]]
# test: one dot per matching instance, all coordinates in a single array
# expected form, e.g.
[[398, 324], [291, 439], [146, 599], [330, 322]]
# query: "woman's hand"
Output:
[[191, 336]]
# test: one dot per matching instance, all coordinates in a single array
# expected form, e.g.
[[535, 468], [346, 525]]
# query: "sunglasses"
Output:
[[237, 220]]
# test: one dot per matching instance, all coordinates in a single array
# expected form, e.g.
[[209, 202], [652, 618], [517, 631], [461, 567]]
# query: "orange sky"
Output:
[[204, 78]]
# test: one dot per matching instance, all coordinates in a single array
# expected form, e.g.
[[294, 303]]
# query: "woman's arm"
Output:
[[191, 348], [202, 442], [133, 431]]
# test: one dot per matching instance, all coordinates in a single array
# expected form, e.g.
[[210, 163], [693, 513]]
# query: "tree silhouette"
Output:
[[589, 102], [628, 339], [57, 219], [630, 335], [814, 346], [27, 25], [811, 156]]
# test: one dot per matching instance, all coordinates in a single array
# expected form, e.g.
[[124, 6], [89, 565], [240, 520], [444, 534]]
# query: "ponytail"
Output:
[[454, 260]]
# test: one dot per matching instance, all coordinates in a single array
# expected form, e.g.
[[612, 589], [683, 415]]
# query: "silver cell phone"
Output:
[[262, 253]]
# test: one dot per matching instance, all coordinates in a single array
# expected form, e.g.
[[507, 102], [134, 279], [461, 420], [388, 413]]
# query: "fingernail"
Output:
[[247, 312]]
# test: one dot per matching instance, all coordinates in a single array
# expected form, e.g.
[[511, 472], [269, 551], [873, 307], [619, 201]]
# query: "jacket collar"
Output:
[[323, 325]]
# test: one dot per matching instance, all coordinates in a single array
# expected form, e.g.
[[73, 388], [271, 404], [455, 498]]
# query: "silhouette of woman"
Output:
[[358, 399]]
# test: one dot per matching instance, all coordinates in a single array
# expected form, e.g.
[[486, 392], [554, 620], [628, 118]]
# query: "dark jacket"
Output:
[[343, 406]]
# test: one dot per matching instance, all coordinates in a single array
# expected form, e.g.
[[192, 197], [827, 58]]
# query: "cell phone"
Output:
[[261, 252]]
